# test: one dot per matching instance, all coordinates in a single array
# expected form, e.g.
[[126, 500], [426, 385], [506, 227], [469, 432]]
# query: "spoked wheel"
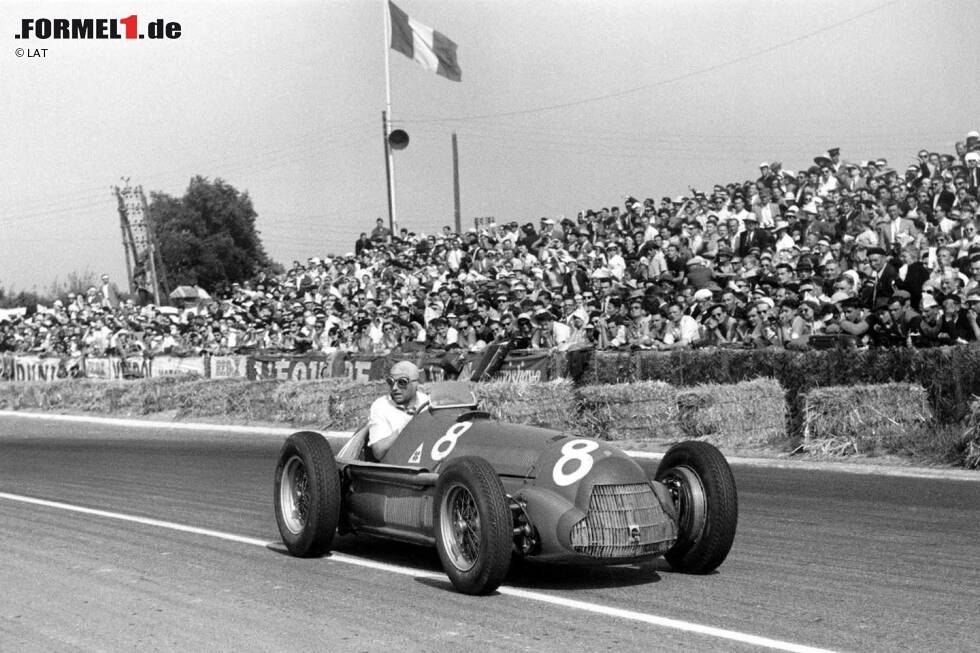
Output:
[[473, 526], [307, 494], [703, 489], [461, 527]]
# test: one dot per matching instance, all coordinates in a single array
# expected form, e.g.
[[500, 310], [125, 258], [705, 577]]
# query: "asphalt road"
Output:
[[822, 559]]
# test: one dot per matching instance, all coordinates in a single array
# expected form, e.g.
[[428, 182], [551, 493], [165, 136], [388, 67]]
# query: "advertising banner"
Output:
[[262, 367], [178, 366], [102, 367], [134, 367], [526, 366], [36, 368], [362, 368], [228, 367]]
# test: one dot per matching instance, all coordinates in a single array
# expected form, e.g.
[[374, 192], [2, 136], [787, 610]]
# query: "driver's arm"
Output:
[[381, 434], [380, 447]]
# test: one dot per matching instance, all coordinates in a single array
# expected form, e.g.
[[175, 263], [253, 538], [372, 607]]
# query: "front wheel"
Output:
[[307, 495], [473, 526], [703, 489]]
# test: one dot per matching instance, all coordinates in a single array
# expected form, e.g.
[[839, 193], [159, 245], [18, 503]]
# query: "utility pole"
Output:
[[459, 226], [388, 171]]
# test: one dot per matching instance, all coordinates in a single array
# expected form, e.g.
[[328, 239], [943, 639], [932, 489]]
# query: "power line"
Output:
[[671, 80]]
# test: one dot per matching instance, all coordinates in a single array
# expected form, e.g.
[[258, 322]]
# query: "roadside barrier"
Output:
[[517, 365]]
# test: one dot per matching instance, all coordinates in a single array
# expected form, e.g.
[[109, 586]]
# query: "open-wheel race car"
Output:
[[482, 491]]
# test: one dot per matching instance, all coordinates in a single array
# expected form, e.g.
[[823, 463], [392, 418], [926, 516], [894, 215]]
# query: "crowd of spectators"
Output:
[[858, 252]]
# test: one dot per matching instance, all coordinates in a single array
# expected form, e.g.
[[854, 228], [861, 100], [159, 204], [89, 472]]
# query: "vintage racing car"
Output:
[[481, 491]]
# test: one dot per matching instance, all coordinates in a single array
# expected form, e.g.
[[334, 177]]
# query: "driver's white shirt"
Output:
[[388, 418]]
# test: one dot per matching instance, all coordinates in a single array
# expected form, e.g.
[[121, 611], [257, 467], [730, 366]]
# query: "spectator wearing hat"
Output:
[[931, 322], [882, 330], [751, 237], [896, 230], [819, 226], [781, 237], [882, 277], [549, 332], [700, 301], [972, 174], [972, 314], [765, 209], [698, 273], [580, 333], [766, 176], [907, 322], [953, 323], [615, 261], [852, 179], [108, 293]]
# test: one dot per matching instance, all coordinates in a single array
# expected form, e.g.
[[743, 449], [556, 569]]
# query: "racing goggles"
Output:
[[402, 382]]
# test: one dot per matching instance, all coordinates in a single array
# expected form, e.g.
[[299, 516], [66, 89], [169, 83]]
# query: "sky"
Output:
[[563, 105]]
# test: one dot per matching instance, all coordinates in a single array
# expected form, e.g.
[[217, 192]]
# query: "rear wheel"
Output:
[[473, 526], [703, 489], [307, 494]]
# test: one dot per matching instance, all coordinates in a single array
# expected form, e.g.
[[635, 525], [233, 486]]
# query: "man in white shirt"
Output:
[[682, 330], [391, 413]]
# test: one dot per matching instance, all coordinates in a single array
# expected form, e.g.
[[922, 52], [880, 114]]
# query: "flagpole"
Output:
[[389, 159]]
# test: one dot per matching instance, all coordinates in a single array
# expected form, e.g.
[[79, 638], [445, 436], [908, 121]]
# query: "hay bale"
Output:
[[865, 419], [301, 403], [746, 413], [971, 436], [550, 404], [611, 367], [628, 411], [349, 402], [67, 394], [695, 413]]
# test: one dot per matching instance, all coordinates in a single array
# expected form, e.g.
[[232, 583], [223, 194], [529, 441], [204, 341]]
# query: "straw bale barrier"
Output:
[[971, 436], [350, 402], [628, 411], [865, 419], [751, 412], [549, 405], [746, 413], [893, 418]]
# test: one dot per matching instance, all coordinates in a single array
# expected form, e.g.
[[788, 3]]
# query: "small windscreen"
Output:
[[451, 394]]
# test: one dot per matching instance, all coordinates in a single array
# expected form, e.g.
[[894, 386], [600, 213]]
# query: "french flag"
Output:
[[433, 50]]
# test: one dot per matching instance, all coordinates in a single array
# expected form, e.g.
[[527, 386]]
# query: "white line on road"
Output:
[[180, 426], [594, 608]]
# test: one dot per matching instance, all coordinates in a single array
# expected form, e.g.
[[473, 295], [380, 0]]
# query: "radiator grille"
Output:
[[408, 511], [624, 521]]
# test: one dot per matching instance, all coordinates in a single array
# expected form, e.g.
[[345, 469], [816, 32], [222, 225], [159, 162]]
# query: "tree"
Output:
[[208, 236], [76, 282]]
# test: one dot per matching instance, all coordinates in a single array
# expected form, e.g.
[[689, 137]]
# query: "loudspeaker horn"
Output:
[[398, 139]]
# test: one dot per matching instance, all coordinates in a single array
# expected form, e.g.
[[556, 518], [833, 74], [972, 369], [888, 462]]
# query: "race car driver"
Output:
[[390, 413]]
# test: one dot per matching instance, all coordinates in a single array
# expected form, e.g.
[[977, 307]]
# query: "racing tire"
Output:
[[703, 488], [473, 525], [307, 494]]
